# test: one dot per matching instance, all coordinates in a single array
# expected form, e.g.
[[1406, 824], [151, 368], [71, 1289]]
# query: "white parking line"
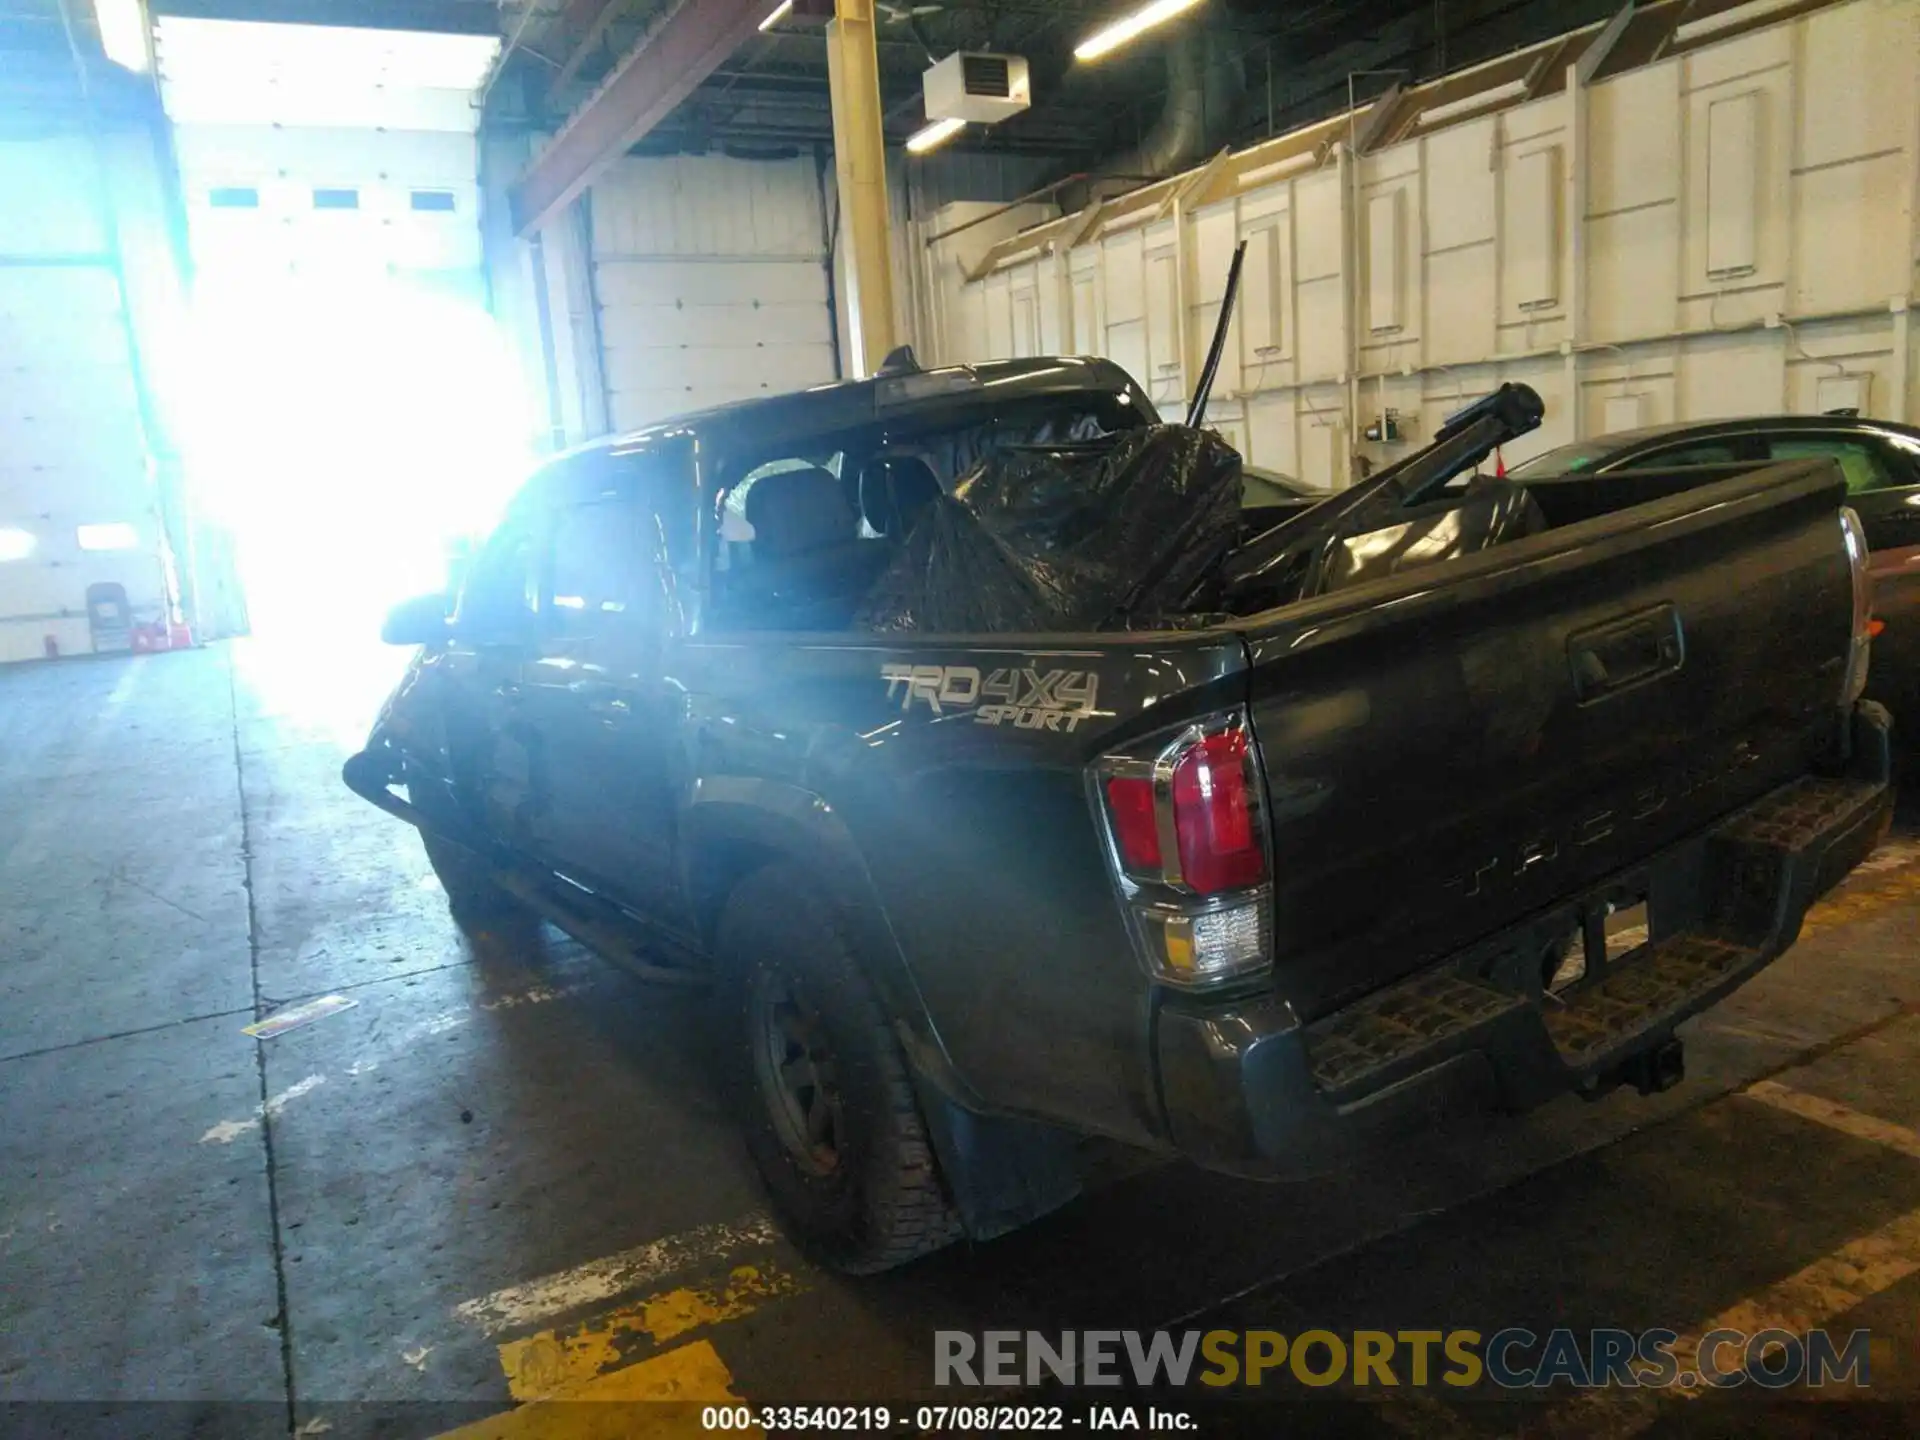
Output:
[[228, 1131], [518, 1306]]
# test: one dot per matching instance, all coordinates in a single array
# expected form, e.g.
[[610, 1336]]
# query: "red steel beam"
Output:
[[644, 89]]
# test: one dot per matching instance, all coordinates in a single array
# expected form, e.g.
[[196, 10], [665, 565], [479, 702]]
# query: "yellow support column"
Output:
[[860, 167]]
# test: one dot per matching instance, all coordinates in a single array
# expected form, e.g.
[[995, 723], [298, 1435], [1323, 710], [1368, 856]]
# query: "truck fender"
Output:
[[1002, 1172], [732, 825]]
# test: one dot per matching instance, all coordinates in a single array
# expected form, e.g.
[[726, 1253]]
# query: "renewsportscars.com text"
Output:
[[1512, 1359]]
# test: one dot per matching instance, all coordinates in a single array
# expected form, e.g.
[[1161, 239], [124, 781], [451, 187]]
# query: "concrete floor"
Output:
[[503, 1174]]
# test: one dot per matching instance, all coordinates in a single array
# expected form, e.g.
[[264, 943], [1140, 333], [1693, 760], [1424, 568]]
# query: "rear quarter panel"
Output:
[[973, 820]]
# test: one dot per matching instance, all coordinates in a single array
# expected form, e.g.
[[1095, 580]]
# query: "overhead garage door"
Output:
[[711, 281], [77, 504]]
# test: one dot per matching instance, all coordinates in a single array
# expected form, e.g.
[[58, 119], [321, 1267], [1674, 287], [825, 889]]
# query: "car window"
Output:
[[501, 587], [597, 569], [1864, 468], [1697, 452], [1565, 460], [734, 526]]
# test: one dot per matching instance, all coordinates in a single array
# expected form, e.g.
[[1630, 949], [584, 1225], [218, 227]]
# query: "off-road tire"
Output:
[[883, 1202]]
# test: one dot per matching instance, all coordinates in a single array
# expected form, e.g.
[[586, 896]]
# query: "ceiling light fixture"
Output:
[[123, 32], [779, 12], [1123, 30], [936, 134]]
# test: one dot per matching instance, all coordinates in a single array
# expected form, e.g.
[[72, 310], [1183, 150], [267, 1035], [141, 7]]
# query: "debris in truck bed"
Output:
[[1067, 538]]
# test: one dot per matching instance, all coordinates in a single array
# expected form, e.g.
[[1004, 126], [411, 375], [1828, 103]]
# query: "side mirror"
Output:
[[419, 621]]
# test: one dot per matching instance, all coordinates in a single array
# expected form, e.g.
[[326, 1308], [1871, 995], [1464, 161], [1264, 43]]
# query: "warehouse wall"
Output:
[[86, 304], [1728, 230], [685, 281], [711, 282]]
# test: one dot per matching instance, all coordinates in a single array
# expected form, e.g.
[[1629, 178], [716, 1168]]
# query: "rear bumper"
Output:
[[1249, 1089]]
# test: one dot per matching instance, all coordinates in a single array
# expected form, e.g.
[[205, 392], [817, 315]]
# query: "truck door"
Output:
[[596, 693], [491, 749]]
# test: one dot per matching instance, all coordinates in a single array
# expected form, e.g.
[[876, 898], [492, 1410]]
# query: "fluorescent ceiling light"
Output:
[[779, 12], [938, 133], [123, 32], [1279, 169], [117, 535], [1121, 31], [15, 544], [1727, 19], [1470, 104]]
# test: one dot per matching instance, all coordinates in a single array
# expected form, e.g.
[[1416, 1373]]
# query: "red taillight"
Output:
[[1213, 816], [1136, 827], [1188, 848]]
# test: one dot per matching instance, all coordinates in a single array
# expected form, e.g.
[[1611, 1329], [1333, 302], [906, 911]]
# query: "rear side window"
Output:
[[1698, 452], [1864, 468]]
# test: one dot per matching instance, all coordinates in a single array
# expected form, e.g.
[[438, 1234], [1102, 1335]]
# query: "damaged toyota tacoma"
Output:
[[1010, 779]]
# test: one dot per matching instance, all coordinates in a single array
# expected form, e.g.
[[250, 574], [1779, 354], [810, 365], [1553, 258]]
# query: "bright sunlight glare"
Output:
[[347, 433]]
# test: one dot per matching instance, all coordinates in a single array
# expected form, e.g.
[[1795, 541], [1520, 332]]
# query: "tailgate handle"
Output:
[[1626, 652]]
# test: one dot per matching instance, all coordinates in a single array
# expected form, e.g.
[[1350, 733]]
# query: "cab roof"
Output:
[[842, 404]]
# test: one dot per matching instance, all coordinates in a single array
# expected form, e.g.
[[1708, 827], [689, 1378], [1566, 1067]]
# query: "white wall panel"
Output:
[[1086, 314], [1163, 375], [1317, 227], [1273, 435], [1633, 120], [1385, 280], [1459, 167], [1733, 185], [1532, 223], [1841, 248], [1768, 177], [1855, 68], [1731, 375]]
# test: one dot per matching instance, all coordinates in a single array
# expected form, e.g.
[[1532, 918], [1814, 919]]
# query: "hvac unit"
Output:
[[976, 87]]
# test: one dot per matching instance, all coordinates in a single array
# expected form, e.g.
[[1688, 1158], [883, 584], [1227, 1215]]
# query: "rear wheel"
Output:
[[819, 1081]]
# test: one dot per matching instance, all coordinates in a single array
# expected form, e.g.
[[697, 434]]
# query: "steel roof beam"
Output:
[[644, 89]]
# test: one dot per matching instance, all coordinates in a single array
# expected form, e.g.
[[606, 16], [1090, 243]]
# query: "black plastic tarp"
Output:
[[1108, 536]]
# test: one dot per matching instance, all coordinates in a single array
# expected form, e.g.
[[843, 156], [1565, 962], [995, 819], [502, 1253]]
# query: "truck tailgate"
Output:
[[1453, 748]]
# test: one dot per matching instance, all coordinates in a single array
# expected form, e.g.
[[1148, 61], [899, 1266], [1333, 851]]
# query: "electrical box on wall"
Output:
[[1841, 392], [1385, 430], [977, 87]]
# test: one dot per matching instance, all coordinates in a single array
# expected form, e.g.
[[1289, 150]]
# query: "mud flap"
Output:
[[1001, 1173]]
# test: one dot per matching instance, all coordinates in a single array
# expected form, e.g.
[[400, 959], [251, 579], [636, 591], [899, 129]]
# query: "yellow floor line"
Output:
[[657, 1399], [1835, 1116], [560, 1362], [1868, 900], [1816, 1295], [518, 1306]]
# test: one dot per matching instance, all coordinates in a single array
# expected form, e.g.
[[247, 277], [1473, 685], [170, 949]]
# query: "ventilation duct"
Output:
[[1206, 86]]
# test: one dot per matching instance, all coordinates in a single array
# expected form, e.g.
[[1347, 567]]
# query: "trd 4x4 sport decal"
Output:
[[1026, 698]]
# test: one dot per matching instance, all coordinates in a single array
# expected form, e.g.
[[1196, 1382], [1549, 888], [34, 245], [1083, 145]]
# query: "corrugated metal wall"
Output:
[[711, 281]]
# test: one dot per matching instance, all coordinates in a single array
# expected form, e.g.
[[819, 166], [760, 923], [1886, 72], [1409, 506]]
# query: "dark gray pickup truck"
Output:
[[1440, 798]]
